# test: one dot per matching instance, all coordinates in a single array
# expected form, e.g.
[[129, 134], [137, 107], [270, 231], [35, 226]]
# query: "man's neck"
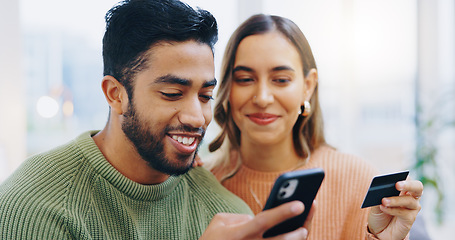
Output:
[[122, 155]]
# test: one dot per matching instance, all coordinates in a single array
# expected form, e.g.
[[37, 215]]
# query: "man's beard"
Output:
[[150, 146]]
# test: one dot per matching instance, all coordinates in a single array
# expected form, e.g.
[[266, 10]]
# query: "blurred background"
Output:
[[386, 68]]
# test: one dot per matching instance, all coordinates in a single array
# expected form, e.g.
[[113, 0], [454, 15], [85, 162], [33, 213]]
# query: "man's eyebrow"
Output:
[[210, 83], [171, 79]]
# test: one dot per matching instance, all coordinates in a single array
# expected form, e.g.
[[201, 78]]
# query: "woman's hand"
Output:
[[197, 161], [394, 218]]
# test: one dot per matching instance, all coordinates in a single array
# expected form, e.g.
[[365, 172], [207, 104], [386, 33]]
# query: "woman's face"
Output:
[[268, 88]]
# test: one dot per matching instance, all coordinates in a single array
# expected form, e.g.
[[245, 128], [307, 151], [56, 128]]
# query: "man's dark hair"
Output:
[[134, 26]]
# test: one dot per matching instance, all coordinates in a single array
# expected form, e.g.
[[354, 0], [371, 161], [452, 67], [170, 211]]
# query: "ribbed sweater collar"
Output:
[[132, 189], [260, 176]]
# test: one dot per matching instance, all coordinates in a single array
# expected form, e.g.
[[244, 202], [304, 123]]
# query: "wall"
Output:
[[12, 94]]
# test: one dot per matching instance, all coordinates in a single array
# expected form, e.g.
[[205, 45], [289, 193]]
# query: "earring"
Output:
[[306, 109]]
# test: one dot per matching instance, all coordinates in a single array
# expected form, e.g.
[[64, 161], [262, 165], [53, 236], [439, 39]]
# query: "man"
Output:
[[133, 179]]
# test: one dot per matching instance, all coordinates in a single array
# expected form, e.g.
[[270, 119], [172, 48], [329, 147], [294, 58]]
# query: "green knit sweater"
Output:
[[72, 192]]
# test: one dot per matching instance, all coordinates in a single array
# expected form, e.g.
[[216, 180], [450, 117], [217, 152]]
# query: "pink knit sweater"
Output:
[[338, 213]]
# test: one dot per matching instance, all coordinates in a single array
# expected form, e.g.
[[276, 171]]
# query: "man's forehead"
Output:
[[189, 63], [169, 44]]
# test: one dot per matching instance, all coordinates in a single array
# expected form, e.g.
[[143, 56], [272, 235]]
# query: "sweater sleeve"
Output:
[[19, 221], [371, 236], [33, 198], [28, 210]]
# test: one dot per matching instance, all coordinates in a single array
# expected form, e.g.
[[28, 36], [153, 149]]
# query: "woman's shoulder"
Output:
[[344, 171], [334, 159], [223, 165]]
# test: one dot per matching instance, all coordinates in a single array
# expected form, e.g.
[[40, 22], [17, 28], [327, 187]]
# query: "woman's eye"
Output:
[[281, 80], [243, 80]]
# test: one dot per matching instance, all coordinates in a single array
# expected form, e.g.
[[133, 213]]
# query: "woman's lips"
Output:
[[262, 118]]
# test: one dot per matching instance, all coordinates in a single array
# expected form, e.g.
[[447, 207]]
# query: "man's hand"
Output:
[[394, 218], [236, 226]]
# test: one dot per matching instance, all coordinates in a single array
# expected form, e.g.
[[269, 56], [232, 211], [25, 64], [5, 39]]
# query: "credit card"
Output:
[[383, 186]]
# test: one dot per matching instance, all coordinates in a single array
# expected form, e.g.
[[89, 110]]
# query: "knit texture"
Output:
[[72, 192], [338, 213]]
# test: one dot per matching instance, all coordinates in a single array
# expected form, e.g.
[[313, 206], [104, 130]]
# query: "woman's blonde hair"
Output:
[[308, 132]]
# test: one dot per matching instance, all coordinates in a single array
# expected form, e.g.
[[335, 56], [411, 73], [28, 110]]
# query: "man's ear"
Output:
[[115, 94], [310, 83]]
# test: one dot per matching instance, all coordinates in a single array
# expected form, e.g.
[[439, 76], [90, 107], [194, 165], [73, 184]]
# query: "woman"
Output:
[[271, 122]]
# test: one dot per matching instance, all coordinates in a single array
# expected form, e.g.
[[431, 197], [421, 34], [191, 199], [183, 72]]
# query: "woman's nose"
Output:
[[263, 96]]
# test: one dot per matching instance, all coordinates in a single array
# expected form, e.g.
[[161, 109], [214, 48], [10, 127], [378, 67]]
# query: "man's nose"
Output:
[[192, 114]]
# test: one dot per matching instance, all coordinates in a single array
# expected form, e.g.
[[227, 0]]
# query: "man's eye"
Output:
[[171, 95], [206, 98]]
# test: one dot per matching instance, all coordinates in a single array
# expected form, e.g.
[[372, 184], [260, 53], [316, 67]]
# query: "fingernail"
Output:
[[304, 232], [386, 201], [400, 185], [297, 207]]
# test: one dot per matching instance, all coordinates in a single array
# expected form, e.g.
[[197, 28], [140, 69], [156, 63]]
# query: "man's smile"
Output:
[[185, 143]]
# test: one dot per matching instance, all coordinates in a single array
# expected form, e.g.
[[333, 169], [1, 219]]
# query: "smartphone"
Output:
[[302, 185]]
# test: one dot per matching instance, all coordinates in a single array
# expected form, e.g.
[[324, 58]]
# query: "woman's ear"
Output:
[[115, 94], [310, 83]]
